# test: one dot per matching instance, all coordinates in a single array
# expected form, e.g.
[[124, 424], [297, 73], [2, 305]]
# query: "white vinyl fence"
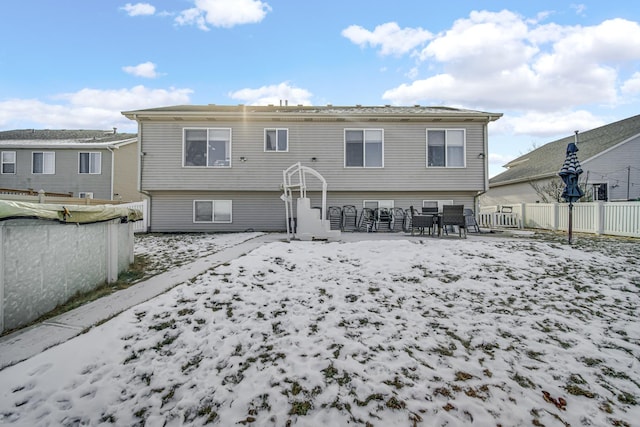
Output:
[[140, 226], [613, 218]]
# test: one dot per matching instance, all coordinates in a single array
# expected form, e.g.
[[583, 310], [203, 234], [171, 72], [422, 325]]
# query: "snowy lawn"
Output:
[[416, 332]]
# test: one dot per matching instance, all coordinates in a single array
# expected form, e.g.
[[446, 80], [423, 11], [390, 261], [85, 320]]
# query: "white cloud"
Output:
[[146, 69], [557, 124], [392, 39], [223, 13], [273, 94], [87, 108], [632, 85], [139, 9], [500, 61]]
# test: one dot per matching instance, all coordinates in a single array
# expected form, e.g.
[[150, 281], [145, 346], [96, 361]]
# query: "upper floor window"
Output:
[[44, 163], [207, 147], [90, 163], [212, 211], [276, 140], [446, 148], [364, 148], [8, 162]]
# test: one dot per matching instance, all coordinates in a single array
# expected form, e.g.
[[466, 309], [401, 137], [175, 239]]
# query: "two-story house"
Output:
[[220, 168], [83, 163]]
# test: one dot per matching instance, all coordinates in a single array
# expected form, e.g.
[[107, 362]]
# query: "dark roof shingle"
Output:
[[547, 160]]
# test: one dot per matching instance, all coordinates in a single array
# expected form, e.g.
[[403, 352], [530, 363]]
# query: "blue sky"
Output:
[[551, 67]]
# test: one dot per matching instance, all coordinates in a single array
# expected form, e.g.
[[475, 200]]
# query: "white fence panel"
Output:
[[540, 215], [622, 219], [614, 218], [140, 226]]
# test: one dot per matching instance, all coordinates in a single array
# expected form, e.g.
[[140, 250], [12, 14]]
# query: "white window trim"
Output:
[[364, 148], [90, 153], [44, 153], [464, 148], [184, 143], [439, 203], [213, 203], [388, 204], [277, 150], [14, 163]]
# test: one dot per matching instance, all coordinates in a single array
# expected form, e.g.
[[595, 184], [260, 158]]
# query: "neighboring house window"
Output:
[[90, 163], [276, 140], [85, 195], [207, 147], [44, 163], [446, 148], [212, 211], [364, 148], [9, 162], [375, 204], [600, 192]]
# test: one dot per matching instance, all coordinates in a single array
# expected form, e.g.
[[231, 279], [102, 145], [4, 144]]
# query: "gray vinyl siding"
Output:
[[66, 178], [172, 211], [616, 168], [404, 157]]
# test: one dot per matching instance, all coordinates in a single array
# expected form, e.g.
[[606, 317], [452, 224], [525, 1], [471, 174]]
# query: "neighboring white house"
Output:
[[609, 156]]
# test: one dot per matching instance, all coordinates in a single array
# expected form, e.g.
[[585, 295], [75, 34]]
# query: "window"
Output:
[[207, 147], [446, 148], [363, 148], [375, 204], [212, 211], [436, 204], [276, 140], [85, 195], [90, 163], [44, 163], [600, 192], [8, 162]]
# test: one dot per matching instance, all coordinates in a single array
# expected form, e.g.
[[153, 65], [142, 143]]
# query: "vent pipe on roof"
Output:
[[115, 130], [286, 102]]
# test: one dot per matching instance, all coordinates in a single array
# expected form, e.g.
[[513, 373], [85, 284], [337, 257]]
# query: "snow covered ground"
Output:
[[416, 332]]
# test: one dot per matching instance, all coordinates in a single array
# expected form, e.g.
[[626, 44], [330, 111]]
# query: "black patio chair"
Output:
[[367, 220], [453, 216], [398, 219], [349, 218], [470, 220], [420, 222], [383, 219], [334, 213]]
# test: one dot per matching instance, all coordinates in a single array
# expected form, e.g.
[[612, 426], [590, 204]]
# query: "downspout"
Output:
[[140, 163], [485, 168], [113, 162]]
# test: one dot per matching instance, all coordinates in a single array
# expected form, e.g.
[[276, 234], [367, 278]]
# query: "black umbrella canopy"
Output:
[[570, 173]]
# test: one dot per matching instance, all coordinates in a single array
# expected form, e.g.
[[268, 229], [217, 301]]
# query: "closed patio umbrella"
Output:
[[570, 173]]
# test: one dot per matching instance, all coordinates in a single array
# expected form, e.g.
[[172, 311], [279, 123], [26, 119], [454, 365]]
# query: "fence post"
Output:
[[599, 218], [523, 215], [112, 251], [41, 194]]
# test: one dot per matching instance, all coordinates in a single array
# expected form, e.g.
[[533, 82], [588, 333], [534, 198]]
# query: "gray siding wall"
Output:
[[172, 211], [616, 168], [404, 158], [66, 178]]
